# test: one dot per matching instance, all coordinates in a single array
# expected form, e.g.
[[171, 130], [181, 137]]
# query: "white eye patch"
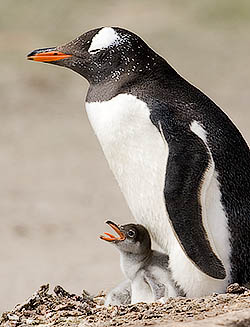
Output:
[[106, 37]]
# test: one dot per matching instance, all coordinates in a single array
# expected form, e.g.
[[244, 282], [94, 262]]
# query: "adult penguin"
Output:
[[182, 165]]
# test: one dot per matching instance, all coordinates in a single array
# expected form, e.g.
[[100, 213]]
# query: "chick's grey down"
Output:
[[148, 278], [180, 162]]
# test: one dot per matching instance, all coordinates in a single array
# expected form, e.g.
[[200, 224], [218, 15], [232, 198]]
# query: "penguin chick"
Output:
[[148, 278]]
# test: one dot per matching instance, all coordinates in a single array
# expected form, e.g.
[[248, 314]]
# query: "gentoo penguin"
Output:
[[147, 276], [182, 165]]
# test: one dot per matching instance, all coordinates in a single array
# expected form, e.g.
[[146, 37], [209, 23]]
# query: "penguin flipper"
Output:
[[188, 161], [158, 289]]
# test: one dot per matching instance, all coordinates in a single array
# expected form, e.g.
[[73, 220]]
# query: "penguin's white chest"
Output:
[[140, 291], [137, 155]]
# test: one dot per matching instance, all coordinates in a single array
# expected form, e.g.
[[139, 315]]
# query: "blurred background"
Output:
[[56, 188]]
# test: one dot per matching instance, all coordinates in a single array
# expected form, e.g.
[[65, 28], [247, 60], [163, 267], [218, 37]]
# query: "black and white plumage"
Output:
[[181, 164], [148, 278]]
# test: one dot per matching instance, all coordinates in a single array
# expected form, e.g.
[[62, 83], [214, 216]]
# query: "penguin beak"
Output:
[[47, 55], [112, 238]]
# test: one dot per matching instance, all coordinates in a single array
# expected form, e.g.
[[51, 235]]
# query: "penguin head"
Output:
[[102, 54], [132, 238]]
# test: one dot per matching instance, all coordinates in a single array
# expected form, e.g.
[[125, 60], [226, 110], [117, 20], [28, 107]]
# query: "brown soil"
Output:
[[64, 309]]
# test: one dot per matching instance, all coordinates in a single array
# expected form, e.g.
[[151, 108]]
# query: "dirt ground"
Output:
[[64, 309], [56, 188]]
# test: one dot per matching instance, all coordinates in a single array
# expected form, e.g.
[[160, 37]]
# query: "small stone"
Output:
[[236, 289]]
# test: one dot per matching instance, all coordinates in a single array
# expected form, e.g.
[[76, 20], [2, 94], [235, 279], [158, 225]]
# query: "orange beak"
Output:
[[47, 55], [111, 238]]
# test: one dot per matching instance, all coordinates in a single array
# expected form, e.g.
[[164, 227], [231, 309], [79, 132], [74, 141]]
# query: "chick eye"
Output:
[[131, 233]]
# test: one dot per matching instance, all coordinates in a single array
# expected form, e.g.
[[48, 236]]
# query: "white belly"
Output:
[[141, 292], [137, 155]]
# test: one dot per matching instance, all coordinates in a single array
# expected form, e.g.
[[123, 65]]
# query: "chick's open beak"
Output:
[[111, 238], [47, 55]]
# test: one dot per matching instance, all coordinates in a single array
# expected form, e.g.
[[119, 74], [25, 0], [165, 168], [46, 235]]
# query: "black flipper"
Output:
[[187, 164]]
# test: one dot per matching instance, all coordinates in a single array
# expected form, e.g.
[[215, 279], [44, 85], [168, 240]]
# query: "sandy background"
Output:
[[56, 188]]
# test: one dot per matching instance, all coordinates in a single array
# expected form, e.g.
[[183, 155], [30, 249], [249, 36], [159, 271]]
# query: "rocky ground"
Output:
[[64, 309]]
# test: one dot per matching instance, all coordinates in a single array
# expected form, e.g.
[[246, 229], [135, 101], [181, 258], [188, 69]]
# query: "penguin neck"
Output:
[[131, 263], [124, 79]]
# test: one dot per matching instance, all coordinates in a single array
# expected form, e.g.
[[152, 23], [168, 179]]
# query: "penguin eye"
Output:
[[93, 52], [131, 233]]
